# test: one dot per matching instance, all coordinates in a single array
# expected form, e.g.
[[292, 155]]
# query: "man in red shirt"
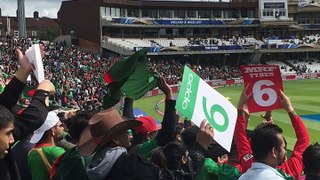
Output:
[[294, 165]]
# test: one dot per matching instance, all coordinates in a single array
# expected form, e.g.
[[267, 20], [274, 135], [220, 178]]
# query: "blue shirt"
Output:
[[260, 171]]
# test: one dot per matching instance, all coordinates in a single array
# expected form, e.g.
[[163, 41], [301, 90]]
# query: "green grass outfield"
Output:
[[304, 95]]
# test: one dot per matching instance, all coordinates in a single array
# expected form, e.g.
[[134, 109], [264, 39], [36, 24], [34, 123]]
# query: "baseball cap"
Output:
[[148, 125], [51, 120]]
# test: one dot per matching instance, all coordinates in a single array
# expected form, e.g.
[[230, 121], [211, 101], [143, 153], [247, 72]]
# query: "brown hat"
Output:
[[103, 127]]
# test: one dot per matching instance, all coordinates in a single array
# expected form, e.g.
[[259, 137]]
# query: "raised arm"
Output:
[[128, 108], [242, 143], [294, 165], [13, 90], [33, 117], [166, 133]]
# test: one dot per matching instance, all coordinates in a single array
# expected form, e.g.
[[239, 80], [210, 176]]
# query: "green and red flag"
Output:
[[129, 77]]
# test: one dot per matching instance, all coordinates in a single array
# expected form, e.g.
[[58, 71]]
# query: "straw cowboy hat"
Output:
[[102, 128]]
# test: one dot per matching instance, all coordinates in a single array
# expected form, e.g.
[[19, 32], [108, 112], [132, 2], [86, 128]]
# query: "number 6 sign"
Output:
[[198, 101], [265, 83]]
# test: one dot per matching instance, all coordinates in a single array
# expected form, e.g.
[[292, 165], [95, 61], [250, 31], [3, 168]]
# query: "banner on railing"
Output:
[[235, 81]]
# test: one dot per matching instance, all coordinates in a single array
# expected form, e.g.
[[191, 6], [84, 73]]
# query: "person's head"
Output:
[[187, 123], [189, 136], [76, 124], [158, 157], [268, 145], [106, 129], [6, 129], [311, 160], [176, 155], [148, 130], [50, 130], [178, 132]]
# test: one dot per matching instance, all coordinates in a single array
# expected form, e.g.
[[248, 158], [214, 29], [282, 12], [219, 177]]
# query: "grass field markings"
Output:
[[157, 109]]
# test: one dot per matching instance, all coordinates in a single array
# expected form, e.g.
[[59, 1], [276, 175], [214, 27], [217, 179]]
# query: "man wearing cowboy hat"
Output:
[[107, 136]]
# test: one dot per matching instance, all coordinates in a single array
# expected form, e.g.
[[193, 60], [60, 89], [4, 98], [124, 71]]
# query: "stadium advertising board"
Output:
[[265, 83], [198, 101], [183, 22]]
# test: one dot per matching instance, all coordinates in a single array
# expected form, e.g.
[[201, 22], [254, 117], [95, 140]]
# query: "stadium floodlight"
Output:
[[22, 19]]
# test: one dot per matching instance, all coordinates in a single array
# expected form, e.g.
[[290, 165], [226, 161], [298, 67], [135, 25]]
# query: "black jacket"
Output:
[[130, 166], [24, 123]]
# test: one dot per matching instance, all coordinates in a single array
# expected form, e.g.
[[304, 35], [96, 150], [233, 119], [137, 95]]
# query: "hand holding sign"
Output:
[[265, 83], [35, 60], [24, 66], [244, 99], [205, 134], [286, 102]]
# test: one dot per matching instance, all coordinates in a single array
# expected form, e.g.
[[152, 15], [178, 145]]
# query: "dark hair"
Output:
[[311, 159], [61, 116], [189, 136], [173, 153], [5, 117], [263, 139], [187, 124], [79, 122], [158, 157], [179, 129]]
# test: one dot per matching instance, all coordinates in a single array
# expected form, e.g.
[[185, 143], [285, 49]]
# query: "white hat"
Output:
[[51, 120]]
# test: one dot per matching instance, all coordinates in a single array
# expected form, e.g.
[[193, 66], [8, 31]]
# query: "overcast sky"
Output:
[[47, 8]]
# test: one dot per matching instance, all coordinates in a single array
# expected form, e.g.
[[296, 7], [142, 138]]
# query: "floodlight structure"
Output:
[[22, 19]]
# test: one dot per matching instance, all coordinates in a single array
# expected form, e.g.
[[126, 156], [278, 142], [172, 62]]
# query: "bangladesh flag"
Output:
[[129, 77]]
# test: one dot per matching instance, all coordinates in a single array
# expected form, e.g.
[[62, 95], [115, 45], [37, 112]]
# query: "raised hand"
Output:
[[205, 134], [165, 88], [267, 116], [46, 85], [286, 102], [244, 98], [25, 67], [223, 159]]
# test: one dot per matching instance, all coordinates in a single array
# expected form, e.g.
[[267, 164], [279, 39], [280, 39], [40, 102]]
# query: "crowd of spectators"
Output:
[[81, 71], [223, 40], [102, 144]]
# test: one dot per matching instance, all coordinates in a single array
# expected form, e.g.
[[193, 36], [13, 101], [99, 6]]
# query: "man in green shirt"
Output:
[[45, 152]]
